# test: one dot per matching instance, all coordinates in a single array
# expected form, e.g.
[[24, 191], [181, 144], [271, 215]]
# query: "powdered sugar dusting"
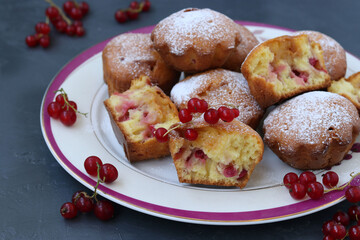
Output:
[[312, 119], [204, 27]]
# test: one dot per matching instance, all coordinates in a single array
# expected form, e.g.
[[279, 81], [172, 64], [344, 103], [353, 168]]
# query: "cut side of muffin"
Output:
[[283, 67], [349, 88], [135, 115], [224, 154]]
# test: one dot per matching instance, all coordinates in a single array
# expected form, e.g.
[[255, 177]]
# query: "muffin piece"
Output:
[[136, 114], [313, 130], [219, 87], [224, 154], [130, 55], [334, 53], [349, 88], [283, 67], [194, 40], [248, 42]]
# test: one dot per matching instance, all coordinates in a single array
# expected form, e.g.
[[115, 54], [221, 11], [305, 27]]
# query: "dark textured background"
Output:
[[33, 185]]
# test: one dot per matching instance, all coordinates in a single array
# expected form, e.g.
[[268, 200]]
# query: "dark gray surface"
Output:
[[33, 185]]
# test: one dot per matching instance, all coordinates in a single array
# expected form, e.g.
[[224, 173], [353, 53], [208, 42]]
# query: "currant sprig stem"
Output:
[[352, 175], [63, 93], [97, 183], [67, 20]]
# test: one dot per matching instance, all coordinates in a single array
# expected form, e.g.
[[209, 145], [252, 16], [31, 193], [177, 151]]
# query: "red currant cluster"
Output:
[[82, 202], [132, 12], [195, 105], [64, 109], [60, 21]]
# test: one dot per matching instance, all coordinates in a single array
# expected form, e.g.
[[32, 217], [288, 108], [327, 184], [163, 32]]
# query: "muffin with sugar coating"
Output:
[[283, 67], [219, 87], [334, 53], [313, 130], [224, 154], [131, 55], [194, 40]]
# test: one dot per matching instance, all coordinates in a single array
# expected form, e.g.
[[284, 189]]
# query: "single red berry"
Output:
[[104, 210], [226, 114], [354, 232], [73, 104], [202, 106], [60, 99], [328, 237], [330, 179], [108, 173], [315, 190], [211, 116], [352, 194], [79, 31], [44, 41], [134, 5], [230, 171], [185, 115], [289, 179], [84, 7], [52, 12], [327, 227], [192, 105], [132, 15], [121, 16], [54, 110], [307, 177], [355, 147], [77, 23], [56, 19], [160, 135], [68, 117], [354, 212], [31, 41], [42, 27], [61, 25], [191, 134], [68, 5], [76, 13], [200, 154], [338, 231], [68, 210], [297, 191], [84, 204], [342, 218], [146, 6], [236, 112], [91, 165], [70, 30]]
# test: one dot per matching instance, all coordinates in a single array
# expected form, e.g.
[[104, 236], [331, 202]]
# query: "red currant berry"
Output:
[[354, 212], [226, 114], [108, 173], [355, 147], [132, 15], [185, 115], [104, 210], [31, 41], [91, 165], [330, 179], [327, 227], [289, 179], [352, 194], [328, 237], [315, 190], [68, 5], [191, 134], [79, 31], [342, 218], [121, 16], [70, 30], [54, 110], [76, 13], [60, 99], [354, 232], [68, 117], [77, 23], [73, 104], [160, 135], [211, 116], [202, 106], [42, 27], [68, 210], [61, 25], [84, 204], [236, 112], [134, 5], [84, 7], [146, 6], [297, 191], [192, 105], [52, 12], [44, 41], [307, 177], [338, 231]]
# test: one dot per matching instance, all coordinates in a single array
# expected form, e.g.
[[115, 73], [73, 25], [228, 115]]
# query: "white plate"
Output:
[[151, 186]]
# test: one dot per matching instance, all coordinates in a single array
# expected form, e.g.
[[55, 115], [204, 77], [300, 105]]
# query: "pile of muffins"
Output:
[[224, 64]]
